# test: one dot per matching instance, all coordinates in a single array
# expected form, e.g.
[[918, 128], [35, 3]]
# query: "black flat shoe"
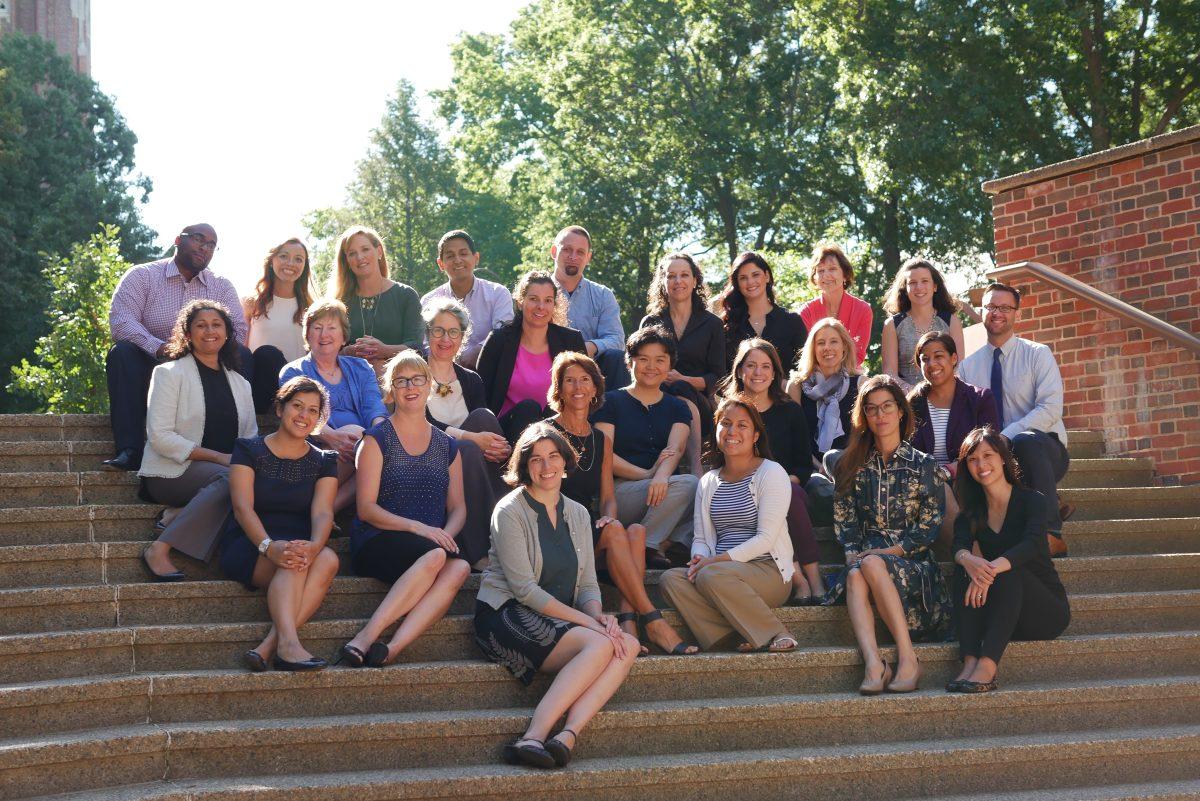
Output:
[[313, 663], [558, 749], [656, 561], [377, 654], [351, 656], [177, 575], [254, 662], [126, 460], [528, 751], [977, 686], [954, 685]]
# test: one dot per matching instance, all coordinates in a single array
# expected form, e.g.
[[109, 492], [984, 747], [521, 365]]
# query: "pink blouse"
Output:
[[854, 313], [530, 379]]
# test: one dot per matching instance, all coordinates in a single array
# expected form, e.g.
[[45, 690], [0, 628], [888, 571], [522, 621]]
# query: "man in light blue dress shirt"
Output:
[[591, 308], [1028, 388], [489, 304]]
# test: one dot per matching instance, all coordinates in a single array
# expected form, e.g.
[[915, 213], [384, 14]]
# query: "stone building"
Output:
[[66, 23]]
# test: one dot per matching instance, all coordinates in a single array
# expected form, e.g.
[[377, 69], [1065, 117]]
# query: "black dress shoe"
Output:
[[127, 459], [312, 663], [175, 575]]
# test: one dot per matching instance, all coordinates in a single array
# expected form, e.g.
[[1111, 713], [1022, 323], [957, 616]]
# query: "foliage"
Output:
[[66, 165], [67, 374]]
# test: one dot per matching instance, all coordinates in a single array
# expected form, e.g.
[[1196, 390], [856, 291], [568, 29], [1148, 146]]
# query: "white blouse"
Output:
[[277, 327]]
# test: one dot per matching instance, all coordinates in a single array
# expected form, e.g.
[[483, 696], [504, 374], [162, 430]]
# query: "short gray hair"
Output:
[[448, 306]]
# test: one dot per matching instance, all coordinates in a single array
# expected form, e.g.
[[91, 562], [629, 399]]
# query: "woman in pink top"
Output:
[[515, 360], [831, 273]]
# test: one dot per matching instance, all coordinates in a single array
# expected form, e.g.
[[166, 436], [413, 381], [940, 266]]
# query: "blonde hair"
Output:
[[327, 307], [342, 283], [806, 365], [405, 359]]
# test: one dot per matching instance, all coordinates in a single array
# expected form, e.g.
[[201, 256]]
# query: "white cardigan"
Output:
[[772, 492], [175, 416]]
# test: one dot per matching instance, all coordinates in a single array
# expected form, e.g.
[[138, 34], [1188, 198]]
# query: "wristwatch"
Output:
[[264, 545]]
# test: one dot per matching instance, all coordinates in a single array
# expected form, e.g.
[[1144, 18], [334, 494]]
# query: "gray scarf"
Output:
[[827, 393]]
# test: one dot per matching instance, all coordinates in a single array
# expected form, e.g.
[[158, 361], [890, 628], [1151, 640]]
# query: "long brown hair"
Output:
[[762, 448], [264, 290], [657, 301], [862, 441], [969, 492], [734, 309], [342, 282], [897, 297], [733, 384]]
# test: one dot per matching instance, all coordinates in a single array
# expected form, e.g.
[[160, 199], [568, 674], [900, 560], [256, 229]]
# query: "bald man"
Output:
[[142, 316]]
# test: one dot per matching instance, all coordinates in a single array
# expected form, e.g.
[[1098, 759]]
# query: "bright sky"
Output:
[[250, 114]]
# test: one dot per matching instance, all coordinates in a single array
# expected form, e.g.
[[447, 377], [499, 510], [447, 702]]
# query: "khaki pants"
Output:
[[728, 597]]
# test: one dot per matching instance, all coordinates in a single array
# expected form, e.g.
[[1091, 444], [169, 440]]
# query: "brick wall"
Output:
[[1127, 222]]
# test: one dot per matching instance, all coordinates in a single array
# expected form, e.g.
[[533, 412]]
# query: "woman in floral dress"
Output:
[[885, 515]]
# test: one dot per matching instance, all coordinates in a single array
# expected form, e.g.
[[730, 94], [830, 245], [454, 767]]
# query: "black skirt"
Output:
[[517, 637]]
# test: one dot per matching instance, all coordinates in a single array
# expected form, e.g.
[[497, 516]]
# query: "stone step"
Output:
[[44, 456], [1111, 472], [67, 489], [1084, 444], [918, 768], [57, 608], [37, 525], [50, 427], [1134, 502], [1115, 537], [434, 739]]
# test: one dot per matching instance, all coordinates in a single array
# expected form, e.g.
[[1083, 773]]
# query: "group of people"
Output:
[[522, 435]]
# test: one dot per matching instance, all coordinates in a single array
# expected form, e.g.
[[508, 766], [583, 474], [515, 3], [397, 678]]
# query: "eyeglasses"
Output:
[[204, 244], [887, 407], [415, 381], [437, 332], [992, 307]]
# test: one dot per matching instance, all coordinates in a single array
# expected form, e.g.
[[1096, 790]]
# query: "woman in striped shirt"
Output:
[[741, 566]]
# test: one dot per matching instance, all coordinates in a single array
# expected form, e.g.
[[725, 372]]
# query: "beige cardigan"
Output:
[[175, 416]]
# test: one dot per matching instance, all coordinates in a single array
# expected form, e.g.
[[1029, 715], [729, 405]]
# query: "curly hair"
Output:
[[656, 298], [180, 344], [897, 297]]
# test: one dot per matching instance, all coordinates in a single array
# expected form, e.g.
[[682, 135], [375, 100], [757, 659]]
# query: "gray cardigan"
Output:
[[515, 560]]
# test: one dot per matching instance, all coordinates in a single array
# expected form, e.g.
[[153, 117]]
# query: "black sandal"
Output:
[[351, 656], [631, 617], [655, 560], [535, 754], [558, 749], [681, 647], [377, 654]]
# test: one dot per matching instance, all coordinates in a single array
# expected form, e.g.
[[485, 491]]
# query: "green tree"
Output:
[[66, 165], [67, 373]]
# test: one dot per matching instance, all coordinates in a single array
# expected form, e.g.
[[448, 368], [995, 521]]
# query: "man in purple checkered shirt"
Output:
[[142, 316]]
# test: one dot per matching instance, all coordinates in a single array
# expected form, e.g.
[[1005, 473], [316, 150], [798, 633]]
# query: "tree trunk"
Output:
[[890, 240]]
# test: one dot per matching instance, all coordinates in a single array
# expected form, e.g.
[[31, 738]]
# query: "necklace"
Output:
[[366, 304], [577, 442], [443, 390]]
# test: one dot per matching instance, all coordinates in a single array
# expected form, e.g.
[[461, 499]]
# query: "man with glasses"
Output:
[[1028, 388], [489, 304], [142, 318]]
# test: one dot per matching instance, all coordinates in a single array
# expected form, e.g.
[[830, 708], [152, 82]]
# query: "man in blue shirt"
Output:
[[591, 308]]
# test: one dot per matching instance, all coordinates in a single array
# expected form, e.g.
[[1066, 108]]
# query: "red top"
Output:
[[854, 313]]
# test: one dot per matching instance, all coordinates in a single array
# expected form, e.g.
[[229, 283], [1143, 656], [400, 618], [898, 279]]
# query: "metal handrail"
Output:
[[1101, 300]]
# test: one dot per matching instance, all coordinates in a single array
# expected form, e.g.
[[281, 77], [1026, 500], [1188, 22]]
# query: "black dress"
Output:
[[582, 484], [283, 495], [782, 328], [700, 351], [787, 434]]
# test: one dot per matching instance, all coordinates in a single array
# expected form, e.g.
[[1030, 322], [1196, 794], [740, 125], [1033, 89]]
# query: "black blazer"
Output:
[[783, 329], [498, 356], [701, 345], [845, 407], [474, 395]]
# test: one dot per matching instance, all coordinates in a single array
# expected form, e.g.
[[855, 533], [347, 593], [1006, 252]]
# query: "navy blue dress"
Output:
[[283, 495], [413, 487]]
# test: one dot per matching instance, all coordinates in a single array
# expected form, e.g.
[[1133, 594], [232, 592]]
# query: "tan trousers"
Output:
[[728, 597]]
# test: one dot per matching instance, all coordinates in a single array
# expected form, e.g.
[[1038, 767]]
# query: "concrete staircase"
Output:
[[115, 688]]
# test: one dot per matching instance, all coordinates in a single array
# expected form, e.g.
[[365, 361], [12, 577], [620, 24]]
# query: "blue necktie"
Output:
[[998, 385]]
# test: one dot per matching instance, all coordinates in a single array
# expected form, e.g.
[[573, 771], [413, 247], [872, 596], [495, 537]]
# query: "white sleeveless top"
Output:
[[277, 328]]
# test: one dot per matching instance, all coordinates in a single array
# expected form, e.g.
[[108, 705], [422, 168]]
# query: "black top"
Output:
[[220, 410], [283, 488], [582, 484], [640, 433], [560, 563], [1021, 538], [701, 345], [783, 329], [473, 392], [787, 433], [499, 355], [845, 406]]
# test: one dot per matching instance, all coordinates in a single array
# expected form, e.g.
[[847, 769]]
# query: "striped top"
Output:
[[734, 514], [939, 419]]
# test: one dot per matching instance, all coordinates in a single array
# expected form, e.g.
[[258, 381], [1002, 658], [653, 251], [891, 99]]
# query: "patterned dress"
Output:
[[897, 504]]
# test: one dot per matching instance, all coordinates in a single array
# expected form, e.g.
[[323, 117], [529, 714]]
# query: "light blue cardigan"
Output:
[[359, 377]]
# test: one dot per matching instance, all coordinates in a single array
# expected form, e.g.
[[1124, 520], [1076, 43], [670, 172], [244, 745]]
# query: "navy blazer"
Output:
[[473, 392], [498, 356], [971, 408]]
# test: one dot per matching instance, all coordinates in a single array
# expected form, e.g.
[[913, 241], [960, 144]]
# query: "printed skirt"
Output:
[[517, 637]]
